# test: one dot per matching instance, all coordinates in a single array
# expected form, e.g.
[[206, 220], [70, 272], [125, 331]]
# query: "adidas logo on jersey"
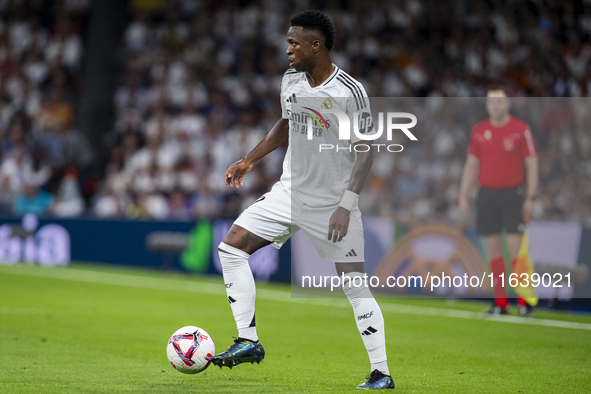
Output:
[[370, 330], [231, 300], [351, 253], [292, 99]]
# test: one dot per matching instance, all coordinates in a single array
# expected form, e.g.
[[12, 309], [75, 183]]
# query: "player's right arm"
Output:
[[278, 135], [469, 175], [273, 140]]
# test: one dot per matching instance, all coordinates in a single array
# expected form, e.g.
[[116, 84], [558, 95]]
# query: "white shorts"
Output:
[[276, 216]]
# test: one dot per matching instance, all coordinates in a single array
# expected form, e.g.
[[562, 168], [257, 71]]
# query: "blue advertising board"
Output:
[[52, 241]]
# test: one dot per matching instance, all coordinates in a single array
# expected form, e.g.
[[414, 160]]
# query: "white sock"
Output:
[[240, 289], [369, 319]]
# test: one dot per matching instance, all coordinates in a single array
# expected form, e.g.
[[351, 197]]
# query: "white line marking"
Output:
[[146, 282]]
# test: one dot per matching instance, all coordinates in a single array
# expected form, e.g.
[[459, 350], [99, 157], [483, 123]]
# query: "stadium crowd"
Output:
[[200, 83], [40, 150]]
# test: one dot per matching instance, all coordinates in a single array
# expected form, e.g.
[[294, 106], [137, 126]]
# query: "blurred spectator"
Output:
[[69, 201], [179, 206], [108, 205], [19, 169], [32, 200]]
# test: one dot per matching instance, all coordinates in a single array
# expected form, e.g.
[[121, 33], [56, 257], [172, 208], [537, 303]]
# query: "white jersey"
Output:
[[320, 178]]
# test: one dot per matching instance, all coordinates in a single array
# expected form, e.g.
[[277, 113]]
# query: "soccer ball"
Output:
[[187, 349]]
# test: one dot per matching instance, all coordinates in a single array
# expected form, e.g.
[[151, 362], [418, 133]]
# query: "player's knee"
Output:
[[244, 240], [345, 268], [231, 256], [355, 285], [494, 244], [234, 237]]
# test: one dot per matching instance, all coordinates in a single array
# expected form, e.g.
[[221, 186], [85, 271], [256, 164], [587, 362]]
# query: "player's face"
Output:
[[497, 104], [300, 48]]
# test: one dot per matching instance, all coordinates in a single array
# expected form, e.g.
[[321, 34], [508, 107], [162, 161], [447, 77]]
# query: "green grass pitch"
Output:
[[90, 328]]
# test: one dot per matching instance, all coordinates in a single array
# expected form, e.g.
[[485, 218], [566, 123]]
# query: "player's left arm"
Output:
[[339, 221], [531, 176], [531, 182], [338, 225]]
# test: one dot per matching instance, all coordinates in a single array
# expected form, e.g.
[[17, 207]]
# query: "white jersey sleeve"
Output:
[[288, 80], [358, 104]]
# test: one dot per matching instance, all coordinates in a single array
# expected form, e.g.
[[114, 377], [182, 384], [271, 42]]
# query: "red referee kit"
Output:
[[501, 151]]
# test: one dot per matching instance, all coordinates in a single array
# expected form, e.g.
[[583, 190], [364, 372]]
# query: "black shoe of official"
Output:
[[377, 380], [497, 310], [242, 351], [527, 311]]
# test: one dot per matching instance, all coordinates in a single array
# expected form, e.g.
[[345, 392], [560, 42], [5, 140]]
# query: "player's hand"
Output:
[[464, 206], [236, 172], [527, 210], [338, 225]]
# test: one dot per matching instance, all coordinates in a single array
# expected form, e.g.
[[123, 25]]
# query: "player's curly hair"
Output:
[[316, 20]]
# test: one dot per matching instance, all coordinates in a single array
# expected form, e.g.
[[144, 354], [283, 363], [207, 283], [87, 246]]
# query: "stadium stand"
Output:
[[199, 88]]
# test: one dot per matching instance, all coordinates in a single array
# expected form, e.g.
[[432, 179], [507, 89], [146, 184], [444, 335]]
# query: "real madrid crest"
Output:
[[487, 135], [327, 104], [508, 142]]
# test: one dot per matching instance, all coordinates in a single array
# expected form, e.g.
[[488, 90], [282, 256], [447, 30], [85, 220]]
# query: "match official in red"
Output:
[[503, 156]]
